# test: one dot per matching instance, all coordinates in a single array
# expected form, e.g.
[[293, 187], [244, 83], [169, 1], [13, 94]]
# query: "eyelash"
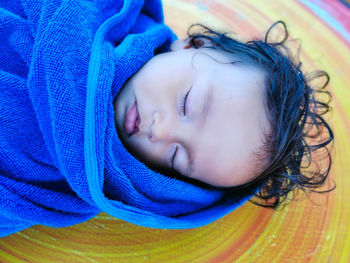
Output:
[[173, 157], [183, 103]]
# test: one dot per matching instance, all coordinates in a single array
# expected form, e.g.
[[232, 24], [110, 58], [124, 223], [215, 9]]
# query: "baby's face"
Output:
[[211, 135]]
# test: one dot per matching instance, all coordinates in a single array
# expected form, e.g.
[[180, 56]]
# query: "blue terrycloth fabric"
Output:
[[62, 63]]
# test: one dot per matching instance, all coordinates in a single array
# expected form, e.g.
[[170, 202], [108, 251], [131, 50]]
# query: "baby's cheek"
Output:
[[142, 149]]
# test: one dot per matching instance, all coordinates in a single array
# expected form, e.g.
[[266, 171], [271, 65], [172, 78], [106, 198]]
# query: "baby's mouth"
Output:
[[132, 120]]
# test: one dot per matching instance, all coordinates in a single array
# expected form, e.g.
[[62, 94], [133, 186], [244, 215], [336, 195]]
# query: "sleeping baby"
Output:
[[226, 113]]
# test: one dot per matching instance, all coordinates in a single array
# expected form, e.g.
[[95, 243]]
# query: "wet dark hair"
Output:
[[295, 155]]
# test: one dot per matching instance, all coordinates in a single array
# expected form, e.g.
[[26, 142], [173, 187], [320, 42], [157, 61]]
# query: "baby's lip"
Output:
[[132, 120]]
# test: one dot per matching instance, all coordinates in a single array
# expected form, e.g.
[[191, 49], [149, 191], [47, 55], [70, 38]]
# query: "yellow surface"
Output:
[[316, 230]]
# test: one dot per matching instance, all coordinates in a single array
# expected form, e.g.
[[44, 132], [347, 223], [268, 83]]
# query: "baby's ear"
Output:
[[185, 43], [180, 44]]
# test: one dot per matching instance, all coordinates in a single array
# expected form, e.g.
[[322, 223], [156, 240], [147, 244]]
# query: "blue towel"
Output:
[[62, 63]]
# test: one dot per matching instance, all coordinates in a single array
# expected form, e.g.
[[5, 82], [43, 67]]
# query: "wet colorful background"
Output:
[[308, 230]]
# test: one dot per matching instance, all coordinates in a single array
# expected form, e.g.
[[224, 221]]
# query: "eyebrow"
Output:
[[207, 107]]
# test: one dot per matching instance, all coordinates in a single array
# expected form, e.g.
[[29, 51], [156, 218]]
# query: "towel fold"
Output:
[[62, 63]]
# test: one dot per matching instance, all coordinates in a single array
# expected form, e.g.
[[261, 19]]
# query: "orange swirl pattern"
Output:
[[308, 230]]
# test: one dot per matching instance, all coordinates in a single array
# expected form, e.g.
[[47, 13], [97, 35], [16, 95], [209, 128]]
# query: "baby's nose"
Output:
[[158, 130], [171, 129]]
